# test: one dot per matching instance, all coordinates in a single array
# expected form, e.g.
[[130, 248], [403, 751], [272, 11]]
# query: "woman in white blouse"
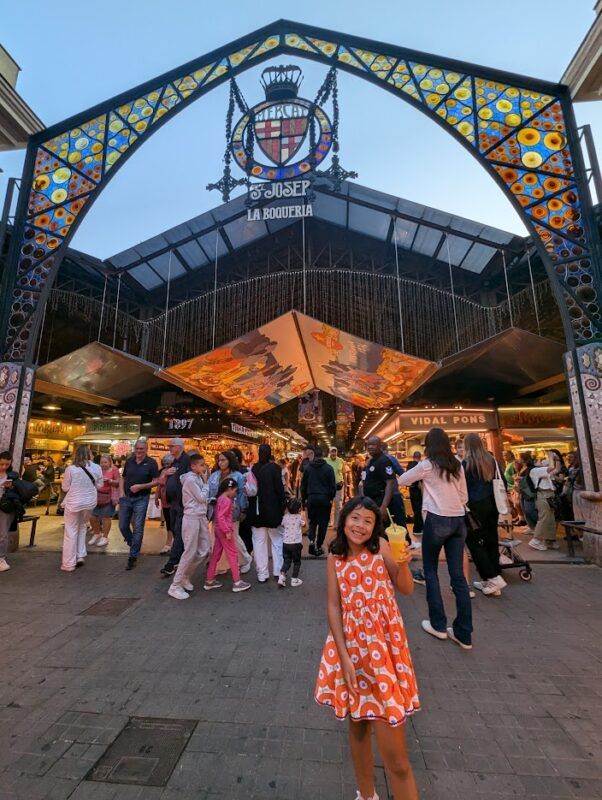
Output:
[[544, 535], [80, 483], [444, 497]]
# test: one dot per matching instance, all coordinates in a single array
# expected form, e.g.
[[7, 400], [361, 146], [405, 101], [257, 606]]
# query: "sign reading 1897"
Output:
[[281, 190]]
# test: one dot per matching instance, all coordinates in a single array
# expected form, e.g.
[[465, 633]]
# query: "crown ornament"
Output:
[[281, 83]]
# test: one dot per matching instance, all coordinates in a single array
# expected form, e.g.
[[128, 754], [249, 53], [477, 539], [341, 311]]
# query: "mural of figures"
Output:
[[258, 371], [275, 363], [363, 373]]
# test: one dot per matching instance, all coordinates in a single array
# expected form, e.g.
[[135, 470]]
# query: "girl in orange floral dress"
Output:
[[366, 671]]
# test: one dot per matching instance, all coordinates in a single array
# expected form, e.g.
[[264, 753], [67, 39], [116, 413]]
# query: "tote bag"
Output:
[[499, 491]]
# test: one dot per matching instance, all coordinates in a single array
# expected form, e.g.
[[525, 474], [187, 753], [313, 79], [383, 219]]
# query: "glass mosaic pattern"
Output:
[[519, 134]]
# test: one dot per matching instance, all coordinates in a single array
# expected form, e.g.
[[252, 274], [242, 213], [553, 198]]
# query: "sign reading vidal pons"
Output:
[[283, 190]]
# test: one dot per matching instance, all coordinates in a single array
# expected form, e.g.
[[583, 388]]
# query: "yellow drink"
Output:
[[397, 541]]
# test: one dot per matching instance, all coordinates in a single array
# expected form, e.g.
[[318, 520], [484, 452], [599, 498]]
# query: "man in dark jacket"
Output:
[[265, 514], [318, 488]]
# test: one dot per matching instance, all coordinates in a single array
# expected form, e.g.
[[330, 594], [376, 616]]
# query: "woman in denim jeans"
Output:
[[444, 498]]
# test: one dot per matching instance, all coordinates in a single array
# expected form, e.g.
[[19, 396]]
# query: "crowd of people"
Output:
[[232, 517]]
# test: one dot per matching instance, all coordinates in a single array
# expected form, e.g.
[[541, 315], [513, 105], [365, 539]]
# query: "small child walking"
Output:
[[366, 671], [223, 527], [292, 526], [195, 528]]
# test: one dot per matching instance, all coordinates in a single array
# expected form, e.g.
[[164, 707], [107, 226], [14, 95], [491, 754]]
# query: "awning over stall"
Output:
[[97, 374]]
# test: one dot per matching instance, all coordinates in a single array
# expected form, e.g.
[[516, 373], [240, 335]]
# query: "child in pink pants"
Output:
[[225, 540]]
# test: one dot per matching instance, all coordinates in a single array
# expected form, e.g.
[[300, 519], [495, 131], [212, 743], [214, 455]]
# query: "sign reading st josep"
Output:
[[284, 190]]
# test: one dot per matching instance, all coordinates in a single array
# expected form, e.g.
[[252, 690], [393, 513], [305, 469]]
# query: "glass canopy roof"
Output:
[[419, 229]]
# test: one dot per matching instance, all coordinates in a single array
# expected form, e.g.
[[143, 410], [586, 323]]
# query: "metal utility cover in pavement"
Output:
[[145, 752], [110, 606]]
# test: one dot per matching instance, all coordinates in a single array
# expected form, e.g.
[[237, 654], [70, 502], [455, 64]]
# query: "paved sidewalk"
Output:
[[517, 717]]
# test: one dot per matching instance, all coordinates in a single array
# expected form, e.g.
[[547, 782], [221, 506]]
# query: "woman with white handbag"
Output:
[[487, 499]]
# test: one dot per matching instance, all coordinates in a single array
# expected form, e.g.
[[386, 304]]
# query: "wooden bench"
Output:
[[33, 518]]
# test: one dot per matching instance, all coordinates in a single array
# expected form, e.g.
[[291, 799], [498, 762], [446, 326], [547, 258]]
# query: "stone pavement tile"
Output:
[[545, 786], [584, 788], [578, 767], [26, 787], [496, 784], [531, 765]]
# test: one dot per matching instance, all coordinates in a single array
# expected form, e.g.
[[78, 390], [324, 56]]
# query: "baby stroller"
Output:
[[509, 557]]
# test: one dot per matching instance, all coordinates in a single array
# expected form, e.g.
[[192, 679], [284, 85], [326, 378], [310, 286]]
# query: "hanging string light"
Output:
[[535, 308]]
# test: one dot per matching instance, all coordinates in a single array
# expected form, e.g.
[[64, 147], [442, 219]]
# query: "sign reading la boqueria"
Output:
[[283, 190]]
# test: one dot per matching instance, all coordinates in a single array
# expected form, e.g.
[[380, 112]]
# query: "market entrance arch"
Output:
[[522, 130]]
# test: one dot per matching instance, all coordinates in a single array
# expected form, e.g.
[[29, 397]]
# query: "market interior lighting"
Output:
[[376, 424], [50, 407]]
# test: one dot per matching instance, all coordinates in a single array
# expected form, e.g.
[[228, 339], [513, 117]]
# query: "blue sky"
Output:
[[75, 55]]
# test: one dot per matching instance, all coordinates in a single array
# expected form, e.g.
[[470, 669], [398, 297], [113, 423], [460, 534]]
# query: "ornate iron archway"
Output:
[[522, 130]]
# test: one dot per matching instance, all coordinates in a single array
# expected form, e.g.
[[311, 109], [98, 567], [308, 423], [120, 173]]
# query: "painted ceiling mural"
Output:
[[294, 354]]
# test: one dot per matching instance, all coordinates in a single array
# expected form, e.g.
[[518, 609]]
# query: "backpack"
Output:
[[527, 488], [26, 490], [250, 486]]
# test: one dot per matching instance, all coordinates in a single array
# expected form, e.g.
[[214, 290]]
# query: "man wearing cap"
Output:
[[338, 465], [173, 491]]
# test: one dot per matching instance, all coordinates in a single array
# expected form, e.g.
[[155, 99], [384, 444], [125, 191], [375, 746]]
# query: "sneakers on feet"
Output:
[[428, 628], [454, 638], [168, 569], [360, 796], [418, 576], [102, 542], [212, 585], [312, 549], [296, 581], [131, 563], [499, 582], [246, 567], [67, 569], [178, 592], [94, 539], [487, 587], [282, 581], [319, 552], [80, 562], [4, 565], [536, 544], [242, 586], [188, 586]]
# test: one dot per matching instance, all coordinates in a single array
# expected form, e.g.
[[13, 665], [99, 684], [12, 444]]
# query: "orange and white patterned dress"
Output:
[[376, 641]]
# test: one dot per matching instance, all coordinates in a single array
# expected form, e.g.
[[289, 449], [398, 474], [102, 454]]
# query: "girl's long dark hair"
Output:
[[339, 546], [437, 449]]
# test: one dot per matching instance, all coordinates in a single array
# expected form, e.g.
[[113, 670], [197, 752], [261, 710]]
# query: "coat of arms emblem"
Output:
[[280, 125]]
